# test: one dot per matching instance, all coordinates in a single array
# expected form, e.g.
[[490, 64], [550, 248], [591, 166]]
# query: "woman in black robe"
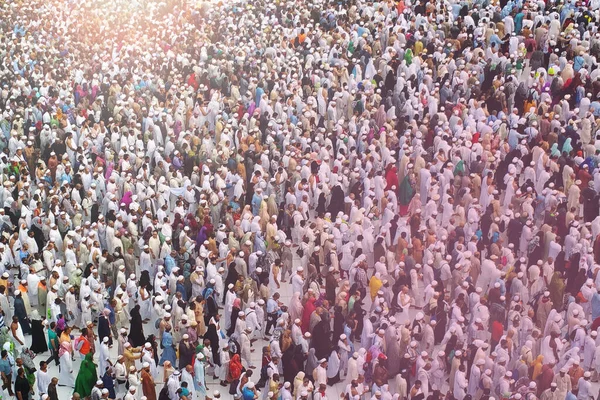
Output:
[[212, 308], [38, 234], [289, 363], [537, 248], [576, 277], [441, 314], [38, 341], [322, 331], [145, 281], [94, 213], [136, 328], [235, 310], [152, 340], [338, 322], [186, 352], [322, 204], [21, 313], [212, 335], [232, 277], [104, 329], [336, 204]]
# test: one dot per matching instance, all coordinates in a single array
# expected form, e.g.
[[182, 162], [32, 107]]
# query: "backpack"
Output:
[[234, 346], [264, 376], [78, 344]]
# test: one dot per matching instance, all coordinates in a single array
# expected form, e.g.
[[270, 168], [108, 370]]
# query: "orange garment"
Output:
[[85, 345]]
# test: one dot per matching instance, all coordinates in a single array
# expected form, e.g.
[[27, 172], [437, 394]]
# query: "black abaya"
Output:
[[186, 354], [136, 329], [322, 342], [290, 367], [104, 329], [21, 313], [234, 317], [212, 335], [38, 338]]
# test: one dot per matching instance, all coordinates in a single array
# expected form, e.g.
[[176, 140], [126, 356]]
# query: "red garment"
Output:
[[545, 379], [585, 177], [391, 177], [308, 310], [497, 331], [235, 367]]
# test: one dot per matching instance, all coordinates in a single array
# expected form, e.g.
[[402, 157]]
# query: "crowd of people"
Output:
[[300, 200]]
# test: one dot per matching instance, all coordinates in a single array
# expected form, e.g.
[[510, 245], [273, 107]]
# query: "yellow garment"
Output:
[[374, 285], [537, 367]]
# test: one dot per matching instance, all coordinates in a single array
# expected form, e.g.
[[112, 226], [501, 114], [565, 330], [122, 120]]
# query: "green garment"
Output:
[[351, 48], [406, 191], [408, 56], [52, 339], [87, 377], [460, 167]]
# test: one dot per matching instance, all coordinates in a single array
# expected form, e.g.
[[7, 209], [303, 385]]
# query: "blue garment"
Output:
[[595, 108], [168, 353], [66, 177], [578, 62], [259, 93], [595, 306], [199, 382], [259, 243], [23, 255], [5, 366], [567, 147], [247, 394], [495, 39], [502, 286], [111, 316], [109, 384], [256, 200], [181, 289], [519, 22], [169, 264], [513, 138]]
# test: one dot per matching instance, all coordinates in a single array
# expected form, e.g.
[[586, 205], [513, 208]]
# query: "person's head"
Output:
[[43, 366], [21, 372]]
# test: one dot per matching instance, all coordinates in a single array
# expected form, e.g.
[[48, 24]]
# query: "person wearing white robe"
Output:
[[173, 384], [42, 380], [147, 356], [199, 379], [66, 377], [475, 377], [418, 287], [547, 351], [188, 378], [589, 350], [103, 356], [333, 365], [230, 296], [423, 376], [425, 184], [252, 321], [352, 371], [368, 332]]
